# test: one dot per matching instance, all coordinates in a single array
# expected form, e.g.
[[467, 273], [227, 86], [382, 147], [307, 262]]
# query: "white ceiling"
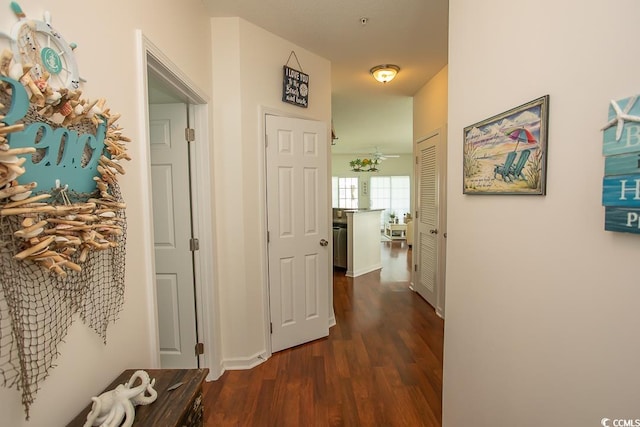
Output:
[[409, 33]]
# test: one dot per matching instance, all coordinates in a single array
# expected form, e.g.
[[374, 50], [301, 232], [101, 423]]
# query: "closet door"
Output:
[[429, 222]]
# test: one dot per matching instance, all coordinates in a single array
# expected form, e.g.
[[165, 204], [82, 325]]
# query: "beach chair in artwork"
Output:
[[504, 168], [515, 172]]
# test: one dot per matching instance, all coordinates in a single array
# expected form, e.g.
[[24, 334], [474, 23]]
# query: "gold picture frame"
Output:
[[507, 153]]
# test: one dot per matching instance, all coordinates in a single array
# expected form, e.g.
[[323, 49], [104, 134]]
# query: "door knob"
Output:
[[433, 231], [323, 242]]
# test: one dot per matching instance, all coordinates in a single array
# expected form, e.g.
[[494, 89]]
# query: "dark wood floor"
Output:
[[380, 366]]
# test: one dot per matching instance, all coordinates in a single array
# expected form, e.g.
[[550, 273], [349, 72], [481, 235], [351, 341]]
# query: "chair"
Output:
[[505, 168], [516, 171]]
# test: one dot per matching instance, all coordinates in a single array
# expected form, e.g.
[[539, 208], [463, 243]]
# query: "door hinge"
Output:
[[199, 349], [266, 140], [271, 327], [190, 134], [416, 214], [194, 244], [268, 237], [416, 160], [415, 267]]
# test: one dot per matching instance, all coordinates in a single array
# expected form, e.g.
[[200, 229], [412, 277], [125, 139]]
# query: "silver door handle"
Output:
[[323, 242], [433, 231]]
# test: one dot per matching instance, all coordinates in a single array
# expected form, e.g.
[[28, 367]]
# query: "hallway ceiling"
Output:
[[367, 115]]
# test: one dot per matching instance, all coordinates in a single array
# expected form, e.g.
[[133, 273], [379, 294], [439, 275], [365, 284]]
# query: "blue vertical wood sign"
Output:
[[621, 182]]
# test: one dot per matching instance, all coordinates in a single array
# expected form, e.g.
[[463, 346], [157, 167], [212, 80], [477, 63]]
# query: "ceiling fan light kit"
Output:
[[384, 73], [380, 156]]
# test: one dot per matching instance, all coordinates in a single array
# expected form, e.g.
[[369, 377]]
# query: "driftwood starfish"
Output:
[[622, 115]]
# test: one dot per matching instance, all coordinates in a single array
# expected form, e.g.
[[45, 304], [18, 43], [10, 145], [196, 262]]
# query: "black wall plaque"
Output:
[[295, 87]]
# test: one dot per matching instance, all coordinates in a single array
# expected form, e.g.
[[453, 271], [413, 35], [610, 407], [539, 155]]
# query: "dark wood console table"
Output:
[[181, 407]]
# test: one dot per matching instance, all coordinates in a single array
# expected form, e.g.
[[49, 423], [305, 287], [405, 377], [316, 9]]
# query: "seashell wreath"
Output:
[[60, 236]]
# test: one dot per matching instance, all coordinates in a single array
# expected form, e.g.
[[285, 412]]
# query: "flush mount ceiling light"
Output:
[[384, 73]]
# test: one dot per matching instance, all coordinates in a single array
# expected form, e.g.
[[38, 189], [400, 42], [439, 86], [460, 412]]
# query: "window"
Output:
[[344, 192], [391, 193]]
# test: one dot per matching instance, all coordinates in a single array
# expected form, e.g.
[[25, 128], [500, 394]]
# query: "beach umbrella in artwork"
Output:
[[521, 135]]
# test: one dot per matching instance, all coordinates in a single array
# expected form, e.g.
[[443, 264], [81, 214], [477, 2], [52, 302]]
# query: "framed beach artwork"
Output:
[[507, 153]]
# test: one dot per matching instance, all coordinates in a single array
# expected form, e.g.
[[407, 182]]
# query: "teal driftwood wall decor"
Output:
[[62, 214], [621, 182]]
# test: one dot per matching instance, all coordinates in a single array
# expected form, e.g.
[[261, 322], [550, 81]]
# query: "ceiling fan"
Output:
[[381, 156]]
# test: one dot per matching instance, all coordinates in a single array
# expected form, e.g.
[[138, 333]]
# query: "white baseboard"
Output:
[[215, 373], [362, 271], [244, 363]]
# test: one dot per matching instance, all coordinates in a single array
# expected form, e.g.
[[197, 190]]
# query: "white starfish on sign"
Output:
[[622, 115]]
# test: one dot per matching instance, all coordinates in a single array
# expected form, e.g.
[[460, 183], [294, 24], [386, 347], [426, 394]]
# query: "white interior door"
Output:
[[297, 216], [172, 234], [429, 231]]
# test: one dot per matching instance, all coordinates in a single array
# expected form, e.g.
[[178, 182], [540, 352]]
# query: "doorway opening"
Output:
[[170, 97]]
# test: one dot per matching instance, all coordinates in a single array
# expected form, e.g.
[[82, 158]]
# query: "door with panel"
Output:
[[298, 226], [172, 219]]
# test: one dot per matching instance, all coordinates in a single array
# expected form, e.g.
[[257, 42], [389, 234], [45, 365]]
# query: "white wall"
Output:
[[430, 106], [542, 303], [106, 55], [247, 81]]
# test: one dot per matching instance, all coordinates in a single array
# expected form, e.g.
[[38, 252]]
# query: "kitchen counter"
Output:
[[363, 241]]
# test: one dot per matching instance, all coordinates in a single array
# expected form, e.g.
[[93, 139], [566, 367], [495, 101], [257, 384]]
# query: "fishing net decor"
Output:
[[62, 253]]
